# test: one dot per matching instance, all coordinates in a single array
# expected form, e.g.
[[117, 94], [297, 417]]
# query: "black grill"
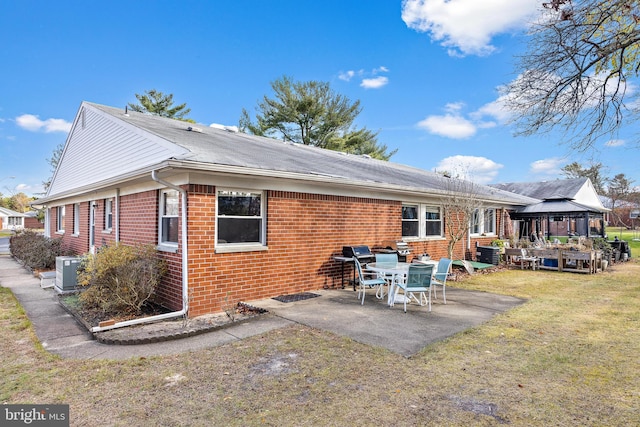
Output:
[[361, 252]]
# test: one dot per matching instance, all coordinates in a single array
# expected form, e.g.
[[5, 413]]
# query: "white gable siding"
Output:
[[587, 196], [100, 147]]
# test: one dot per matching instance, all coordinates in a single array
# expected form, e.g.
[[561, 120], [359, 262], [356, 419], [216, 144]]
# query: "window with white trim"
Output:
[[60, 219], [108, 214], [421, 220], [169, 221], [483, 221], [410, 220], [76, 218], [240, 217]]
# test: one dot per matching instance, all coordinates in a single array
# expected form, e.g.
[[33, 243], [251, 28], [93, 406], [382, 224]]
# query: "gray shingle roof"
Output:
[[556, 207], [208, 145], [557, 189]]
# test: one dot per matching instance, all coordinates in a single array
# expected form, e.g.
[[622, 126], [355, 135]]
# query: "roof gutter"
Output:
[[185, 270]]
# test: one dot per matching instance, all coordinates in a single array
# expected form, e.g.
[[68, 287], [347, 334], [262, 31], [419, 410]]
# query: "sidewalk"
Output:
[[61, 334], [335, 310]]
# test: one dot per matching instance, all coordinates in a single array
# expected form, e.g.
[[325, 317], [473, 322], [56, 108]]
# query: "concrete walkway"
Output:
[[336, 310]]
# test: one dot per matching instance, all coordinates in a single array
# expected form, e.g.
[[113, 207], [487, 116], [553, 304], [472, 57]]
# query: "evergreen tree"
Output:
[[158, 103], [311, 113]]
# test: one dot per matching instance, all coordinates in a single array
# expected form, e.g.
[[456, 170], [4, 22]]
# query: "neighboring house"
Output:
[[624, 214], [568, 207], [31, 221], [11, 220], [237, 216]]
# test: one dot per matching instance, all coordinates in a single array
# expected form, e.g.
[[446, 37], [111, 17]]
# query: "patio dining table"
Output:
[[397, 270]]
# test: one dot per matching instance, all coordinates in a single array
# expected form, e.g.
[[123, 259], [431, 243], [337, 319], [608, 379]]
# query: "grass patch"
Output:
[[566, 357]]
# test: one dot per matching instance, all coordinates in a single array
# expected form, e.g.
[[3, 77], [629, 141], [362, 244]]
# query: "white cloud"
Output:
[[374, 83], [454, 107], [467, 26], [614, 143], [450, 125], [551, 166], [454, 124], [369, 79], [34, 124], [346, 75], [476, 169], [495, 109]]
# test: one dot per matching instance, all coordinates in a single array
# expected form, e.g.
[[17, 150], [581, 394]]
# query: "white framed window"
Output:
[[60, 219], [489, 221], [240, 217], [76, 219], [421, 220], [483, 221], [169, 221], [410, 220], [108, 214], [15, 222]]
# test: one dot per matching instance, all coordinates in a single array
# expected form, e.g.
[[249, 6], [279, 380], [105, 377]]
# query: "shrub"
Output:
[[37, 251], [120, 278]]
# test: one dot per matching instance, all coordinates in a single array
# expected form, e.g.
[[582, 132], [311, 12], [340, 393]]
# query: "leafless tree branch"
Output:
[[578, 71]]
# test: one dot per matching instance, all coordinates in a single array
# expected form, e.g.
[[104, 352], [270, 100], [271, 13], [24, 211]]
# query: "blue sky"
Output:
[[426, 73]]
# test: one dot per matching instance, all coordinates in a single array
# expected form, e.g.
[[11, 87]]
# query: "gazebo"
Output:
[[559, 216]]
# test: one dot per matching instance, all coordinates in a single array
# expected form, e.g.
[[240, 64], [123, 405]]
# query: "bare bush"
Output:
[[120, 279], [37, 251]]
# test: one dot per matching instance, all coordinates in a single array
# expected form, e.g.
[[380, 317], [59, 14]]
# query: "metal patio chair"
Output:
[[384, 259], [418, 282], [440, 277], [364, 283]]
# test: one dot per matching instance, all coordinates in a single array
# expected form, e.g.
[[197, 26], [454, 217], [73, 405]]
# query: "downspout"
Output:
[[117, 221], [185, 272]]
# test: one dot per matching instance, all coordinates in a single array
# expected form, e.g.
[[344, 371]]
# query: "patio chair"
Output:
[[520, 257], [418, 282], [390, 259], [440, 277], [364, 283], [527, 259]]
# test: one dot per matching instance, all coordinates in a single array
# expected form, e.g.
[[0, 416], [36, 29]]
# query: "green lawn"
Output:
[[567, 357]]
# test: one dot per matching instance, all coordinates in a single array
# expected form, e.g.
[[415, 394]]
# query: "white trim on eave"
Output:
[[350, 187]]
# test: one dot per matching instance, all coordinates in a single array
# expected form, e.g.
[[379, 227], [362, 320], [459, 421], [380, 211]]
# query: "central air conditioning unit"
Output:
[[67, 272], [488, 254]]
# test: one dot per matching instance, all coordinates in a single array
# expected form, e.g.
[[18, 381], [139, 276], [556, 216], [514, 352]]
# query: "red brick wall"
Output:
[[80, 242], [139, 225], [32, 223], [73, 243], [304, 232]]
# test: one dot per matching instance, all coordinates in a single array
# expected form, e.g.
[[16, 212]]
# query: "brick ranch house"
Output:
[[240, 217]]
